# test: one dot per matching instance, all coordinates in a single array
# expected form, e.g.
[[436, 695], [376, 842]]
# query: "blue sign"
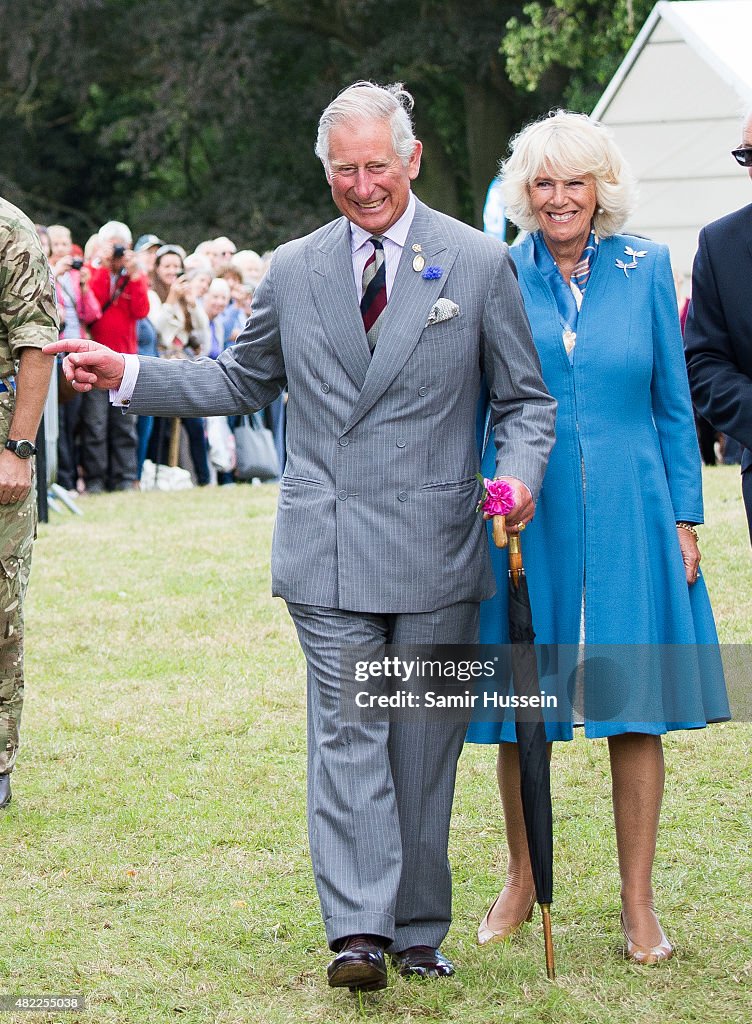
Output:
[[494, 218]]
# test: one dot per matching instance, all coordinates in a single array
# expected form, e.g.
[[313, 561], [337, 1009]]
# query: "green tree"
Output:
[[282, 61], [191, 119], [195, 119], [74, 81], [571, 46]]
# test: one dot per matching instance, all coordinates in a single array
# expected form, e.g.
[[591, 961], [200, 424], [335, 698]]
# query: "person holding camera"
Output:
[[108, 439], [181, 323], [78, 307], [77, 303], [182, 333]]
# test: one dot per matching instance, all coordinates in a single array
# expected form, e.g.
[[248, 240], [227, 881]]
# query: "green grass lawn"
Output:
[[155, 856]]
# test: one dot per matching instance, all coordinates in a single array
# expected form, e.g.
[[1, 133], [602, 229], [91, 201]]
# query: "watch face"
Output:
[[23, 449]]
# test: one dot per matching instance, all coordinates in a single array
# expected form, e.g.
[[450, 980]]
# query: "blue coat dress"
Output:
[[624, 469]]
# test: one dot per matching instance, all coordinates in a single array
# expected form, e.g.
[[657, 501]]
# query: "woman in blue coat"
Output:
[[611, 555]]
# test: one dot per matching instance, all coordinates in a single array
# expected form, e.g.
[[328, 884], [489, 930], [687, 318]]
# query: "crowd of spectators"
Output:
[[153, 298]]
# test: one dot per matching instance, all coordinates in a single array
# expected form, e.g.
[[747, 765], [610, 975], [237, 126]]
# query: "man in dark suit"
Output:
[[718, 335], [382, 326]]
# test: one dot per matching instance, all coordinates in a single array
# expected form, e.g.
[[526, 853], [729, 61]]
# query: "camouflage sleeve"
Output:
[[28, 304]]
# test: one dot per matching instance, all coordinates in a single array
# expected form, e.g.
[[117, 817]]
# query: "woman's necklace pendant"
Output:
[[569, 338]]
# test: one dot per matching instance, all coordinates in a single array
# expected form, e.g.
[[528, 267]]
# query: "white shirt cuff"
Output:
[[122, 397]]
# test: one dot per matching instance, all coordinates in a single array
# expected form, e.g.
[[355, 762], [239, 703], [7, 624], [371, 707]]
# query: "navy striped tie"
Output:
[[373, 303]]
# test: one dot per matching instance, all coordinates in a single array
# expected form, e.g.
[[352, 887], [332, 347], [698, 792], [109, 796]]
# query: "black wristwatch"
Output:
[[22, 448]]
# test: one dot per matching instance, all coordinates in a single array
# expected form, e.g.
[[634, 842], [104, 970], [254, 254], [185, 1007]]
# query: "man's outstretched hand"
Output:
[[88, 364]]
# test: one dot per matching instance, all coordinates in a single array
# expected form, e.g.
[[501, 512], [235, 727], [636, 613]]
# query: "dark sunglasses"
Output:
[[743, 155]]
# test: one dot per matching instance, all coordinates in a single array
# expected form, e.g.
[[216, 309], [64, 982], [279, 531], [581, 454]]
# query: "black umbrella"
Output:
[[535, 775]]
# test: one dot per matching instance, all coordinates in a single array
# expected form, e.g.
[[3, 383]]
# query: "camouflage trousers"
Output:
[[17, 532]]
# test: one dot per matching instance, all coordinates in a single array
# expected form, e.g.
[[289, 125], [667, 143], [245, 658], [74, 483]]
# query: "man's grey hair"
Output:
[[366, 101], [115, 229]]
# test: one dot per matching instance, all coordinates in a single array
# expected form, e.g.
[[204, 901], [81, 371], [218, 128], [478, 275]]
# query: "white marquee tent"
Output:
[[675, 106]]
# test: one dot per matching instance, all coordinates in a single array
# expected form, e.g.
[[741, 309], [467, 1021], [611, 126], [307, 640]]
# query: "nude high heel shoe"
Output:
[[647, 955], [486, 934]]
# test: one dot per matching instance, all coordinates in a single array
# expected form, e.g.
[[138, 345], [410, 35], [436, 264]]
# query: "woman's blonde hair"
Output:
[[567, 145]]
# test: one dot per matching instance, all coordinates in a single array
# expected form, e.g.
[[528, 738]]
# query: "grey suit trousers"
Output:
[[379, 793]]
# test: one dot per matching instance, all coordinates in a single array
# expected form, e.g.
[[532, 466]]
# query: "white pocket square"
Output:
[[444, 309]]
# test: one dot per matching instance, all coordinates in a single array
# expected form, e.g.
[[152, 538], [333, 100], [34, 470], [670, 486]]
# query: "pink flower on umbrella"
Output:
[[497, 498]]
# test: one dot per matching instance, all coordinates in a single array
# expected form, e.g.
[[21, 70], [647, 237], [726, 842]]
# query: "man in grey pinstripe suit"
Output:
[[376, 539]]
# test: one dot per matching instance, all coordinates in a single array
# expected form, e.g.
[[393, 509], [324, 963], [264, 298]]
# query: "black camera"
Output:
[[118, 251], [76, 263]]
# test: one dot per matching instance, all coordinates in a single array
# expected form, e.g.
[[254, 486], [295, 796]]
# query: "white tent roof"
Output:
[[675, 106]]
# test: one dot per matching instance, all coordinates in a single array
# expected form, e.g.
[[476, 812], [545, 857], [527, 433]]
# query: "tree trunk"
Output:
[[487, 132], [437, 183]]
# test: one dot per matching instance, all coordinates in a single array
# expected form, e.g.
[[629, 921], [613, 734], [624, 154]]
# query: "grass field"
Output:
[[155, 857]]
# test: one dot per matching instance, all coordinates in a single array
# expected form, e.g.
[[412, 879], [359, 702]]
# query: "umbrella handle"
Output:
[[174, 456], [516, 568], [500, 531], [501, 540]]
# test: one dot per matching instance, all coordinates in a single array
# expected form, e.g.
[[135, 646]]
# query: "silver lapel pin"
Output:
[[418, 260]]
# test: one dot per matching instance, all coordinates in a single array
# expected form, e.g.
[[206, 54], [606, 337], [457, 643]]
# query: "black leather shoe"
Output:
[[422, 962], [5, 793], [359, 965]]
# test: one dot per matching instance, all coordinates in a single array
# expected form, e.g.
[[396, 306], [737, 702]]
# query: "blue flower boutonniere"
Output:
[[432, 273]]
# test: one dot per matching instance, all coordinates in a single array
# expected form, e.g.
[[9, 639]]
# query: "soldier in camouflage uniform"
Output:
[[28, 320]]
